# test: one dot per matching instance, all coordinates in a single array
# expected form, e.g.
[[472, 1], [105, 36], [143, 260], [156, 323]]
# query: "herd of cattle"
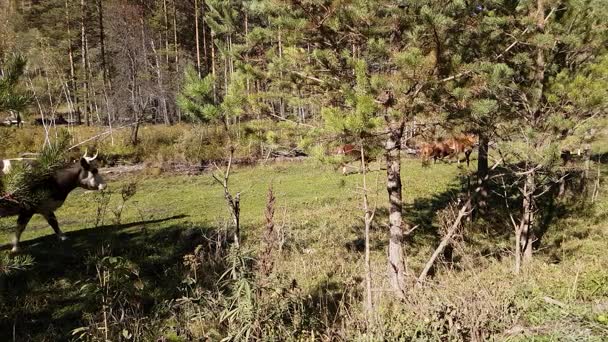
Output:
[[450, 148], [84, 174]]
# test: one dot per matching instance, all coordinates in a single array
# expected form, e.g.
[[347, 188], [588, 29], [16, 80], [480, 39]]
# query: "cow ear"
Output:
[[85, 164]]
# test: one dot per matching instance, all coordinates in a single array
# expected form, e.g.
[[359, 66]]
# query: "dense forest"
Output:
[[226, 87]]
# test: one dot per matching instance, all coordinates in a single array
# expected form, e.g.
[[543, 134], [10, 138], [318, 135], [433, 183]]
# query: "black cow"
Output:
[[83, 174]]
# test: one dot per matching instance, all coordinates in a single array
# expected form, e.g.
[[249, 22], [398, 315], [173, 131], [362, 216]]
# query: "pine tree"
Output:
[[522, 91], [12, 96]]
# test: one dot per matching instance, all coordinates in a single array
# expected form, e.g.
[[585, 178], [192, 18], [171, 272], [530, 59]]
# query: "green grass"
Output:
[[312, 192], [320, 213]]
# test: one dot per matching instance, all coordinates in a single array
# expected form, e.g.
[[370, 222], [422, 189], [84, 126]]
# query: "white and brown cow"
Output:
[[58, 186]]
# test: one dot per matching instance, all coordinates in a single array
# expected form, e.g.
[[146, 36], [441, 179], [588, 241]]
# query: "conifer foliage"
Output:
[[20, 189]]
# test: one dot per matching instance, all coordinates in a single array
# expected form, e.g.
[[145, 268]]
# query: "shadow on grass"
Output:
[[46, 303], [490, 234], [421, 213]]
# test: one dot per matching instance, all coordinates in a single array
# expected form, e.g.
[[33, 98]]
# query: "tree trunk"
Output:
[[85, 70], [135, 132], [247, 87], [518, 249], [196, 38], [482, 158], [368, 218], [393, 174], [166, 32], [205, 48], [176, 45], [481, 194], [72, 83], [161, 86], [539, 73], [527, 234], [102, 43], [213, 72], [464, 211]]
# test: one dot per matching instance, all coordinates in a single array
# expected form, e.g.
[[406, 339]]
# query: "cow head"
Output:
[[89, 177], [471, 139]]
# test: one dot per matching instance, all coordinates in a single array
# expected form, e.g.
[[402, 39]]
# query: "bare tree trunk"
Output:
[[72, 86], [176, 46], [529, 205], [464, 211], [102, 44], [596, 184], [396, 262], [247, 86], [85, 70], [47, 141], [481, 194], [166, 31], [281, 100], [518, 249], [482, 158], [175, 43], [213, 72], [134, 106], [527, 235], [226, 73], [368, 218], [196, 38], [540, 63], [161, 89], [232, 201], [205, 48]]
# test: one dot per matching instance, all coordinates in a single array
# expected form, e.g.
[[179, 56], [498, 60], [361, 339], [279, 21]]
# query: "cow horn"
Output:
[[90, 159]]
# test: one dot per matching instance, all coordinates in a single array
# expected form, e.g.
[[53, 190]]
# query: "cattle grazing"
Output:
[[427, 151], [451, 147], [462, 144], [59, 120], [58, 186]]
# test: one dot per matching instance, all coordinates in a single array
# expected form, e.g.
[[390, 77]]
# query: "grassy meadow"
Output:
[[564, 295]]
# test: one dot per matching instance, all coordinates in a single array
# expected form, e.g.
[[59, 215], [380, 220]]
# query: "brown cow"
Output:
[[427, 151], [451, 147], [462, 144], [349, 153]]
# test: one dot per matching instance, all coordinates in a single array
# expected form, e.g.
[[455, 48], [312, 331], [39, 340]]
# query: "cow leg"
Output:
[[22, 221], [467, 156], [52, 220]]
